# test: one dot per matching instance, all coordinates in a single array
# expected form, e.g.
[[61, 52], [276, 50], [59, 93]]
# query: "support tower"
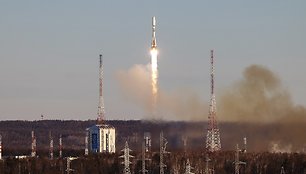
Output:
[[126, 156], [213, 142]]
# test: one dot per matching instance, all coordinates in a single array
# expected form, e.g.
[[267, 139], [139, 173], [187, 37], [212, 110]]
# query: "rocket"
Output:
[[153, 45]]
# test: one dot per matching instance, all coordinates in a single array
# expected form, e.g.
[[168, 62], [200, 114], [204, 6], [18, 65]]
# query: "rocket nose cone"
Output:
[[153, 21]]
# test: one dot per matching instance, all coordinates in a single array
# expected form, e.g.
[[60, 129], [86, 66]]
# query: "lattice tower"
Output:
[[213, 142]]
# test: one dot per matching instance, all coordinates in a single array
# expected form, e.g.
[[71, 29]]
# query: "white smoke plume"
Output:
[[177, 104]]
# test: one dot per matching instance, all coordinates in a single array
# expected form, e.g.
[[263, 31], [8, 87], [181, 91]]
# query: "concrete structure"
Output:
[[102, 138]]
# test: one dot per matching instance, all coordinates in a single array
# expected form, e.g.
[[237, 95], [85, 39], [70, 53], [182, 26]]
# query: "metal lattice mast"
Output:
[[163, 144], [245, 144], [101, 109], [213, 142], [86, 143], [188, 167], [51, 146], [0, 147], [237, 161], [143, 159], [126, 156], [33, 145], [60, 147]]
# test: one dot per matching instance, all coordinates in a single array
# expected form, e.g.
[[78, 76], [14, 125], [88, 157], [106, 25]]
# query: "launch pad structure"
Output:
[[101, 137]]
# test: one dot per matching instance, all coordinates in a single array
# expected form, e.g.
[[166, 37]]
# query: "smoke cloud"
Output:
[[180, 104], [259, 97]]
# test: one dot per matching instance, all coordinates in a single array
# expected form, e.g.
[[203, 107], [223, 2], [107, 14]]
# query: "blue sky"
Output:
[[49, 51]]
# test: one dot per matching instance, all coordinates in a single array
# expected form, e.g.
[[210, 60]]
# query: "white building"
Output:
[[102, 139]]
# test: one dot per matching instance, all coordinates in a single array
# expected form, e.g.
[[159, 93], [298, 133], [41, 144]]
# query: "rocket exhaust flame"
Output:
[[154, 67], [154, 76]]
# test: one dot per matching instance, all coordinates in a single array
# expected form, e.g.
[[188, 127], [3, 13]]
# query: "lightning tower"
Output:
[[86, 143], [60, 147], [213, 142], [51, 146], [101, 110], [143, 159], [0, 147], [33, 145]]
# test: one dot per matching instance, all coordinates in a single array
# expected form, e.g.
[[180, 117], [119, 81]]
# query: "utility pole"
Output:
[[69, 160], [237, 162], [207, 169], [126, 156], [188, 168]]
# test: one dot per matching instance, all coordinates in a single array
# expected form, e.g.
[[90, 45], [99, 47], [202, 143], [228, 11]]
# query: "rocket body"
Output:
[[153, 45]]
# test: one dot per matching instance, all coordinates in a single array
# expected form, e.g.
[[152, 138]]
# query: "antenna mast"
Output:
[[213, 142]]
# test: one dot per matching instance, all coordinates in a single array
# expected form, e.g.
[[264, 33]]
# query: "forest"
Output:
[[221, 163], [269, 147]]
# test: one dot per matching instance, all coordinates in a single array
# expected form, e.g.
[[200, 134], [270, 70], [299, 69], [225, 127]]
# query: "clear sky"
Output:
[[49, 50]]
